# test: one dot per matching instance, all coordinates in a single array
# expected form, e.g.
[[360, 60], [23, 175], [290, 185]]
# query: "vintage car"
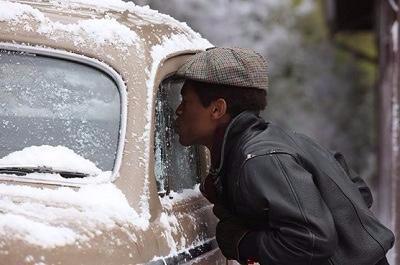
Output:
[[91, 171]]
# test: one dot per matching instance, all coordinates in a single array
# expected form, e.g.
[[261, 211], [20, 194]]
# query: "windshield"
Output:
[[47, 101]]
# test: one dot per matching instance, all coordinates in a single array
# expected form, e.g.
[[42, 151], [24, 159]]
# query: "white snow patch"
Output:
[[177, 197], [57, 217], [14, 11], [148, 15], [36, 233], [185, 194], [395, 36], [170, 225], [170, 222], [56, 157], [101, 31], [196, 243], [29, 258], [98, 4]]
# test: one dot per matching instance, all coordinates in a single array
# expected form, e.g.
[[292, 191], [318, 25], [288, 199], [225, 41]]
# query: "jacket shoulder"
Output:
[[274, 139]]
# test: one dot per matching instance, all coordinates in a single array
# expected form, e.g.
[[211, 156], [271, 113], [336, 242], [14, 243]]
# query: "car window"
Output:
[[56, 102], [176, 166]]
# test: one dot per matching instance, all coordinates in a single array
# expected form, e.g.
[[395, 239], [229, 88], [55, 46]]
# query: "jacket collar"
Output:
[[233, 132]]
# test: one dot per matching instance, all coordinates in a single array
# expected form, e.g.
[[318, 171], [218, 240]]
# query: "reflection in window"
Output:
[[176, 166], [49, 101]]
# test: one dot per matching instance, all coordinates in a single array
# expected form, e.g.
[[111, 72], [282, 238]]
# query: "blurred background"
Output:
[[316, 87], [334, 73]]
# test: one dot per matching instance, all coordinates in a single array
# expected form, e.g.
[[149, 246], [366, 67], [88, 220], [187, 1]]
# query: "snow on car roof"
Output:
[[14, 11], [100, 31], [145, 13], [95, 21]]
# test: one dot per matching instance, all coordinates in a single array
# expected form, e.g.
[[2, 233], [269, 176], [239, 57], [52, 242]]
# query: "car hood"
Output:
[[39, 224]]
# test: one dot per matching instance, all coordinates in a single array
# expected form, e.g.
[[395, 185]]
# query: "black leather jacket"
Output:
[[304, 205]]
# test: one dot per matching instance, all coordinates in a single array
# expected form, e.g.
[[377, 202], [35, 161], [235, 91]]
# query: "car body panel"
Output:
[[121, 220]]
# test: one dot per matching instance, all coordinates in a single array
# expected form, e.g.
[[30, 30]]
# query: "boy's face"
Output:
[[194, 123]]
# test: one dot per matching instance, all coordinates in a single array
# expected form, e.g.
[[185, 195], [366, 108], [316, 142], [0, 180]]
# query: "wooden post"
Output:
[[396, 130], [396, 135], [389, 121]]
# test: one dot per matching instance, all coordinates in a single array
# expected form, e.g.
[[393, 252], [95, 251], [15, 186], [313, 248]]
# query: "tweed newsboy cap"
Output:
[[228, 66]]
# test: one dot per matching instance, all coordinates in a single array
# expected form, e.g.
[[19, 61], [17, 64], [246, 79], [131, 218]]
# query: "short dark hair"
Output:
[[238, 99]]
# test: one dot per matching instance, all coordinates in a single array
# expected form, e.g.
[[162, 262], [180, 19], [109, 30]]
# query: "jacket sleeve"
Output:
[[300, 226], [356, 179]]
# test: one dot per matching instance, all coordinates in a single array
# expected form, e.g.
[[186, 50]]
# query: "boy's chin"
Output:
[[185, 142]]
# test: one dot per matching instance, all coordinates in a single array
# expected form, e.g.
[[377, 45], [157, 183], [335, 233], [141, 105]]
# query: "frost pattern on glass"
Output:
[[49, 101], [175, 165]]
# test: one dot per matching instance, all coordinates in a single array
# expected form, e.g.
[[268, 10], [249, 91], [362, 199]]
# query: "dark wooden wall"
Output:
[[388, 90], [350, 15]]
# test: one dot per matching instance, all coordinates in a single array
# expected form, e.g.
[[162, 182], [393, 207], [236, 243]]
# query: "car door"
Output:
[[178, 172]]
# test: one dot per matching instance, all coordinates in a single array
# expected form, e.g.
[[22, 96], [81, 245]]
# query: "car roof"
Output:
[[116, 32]]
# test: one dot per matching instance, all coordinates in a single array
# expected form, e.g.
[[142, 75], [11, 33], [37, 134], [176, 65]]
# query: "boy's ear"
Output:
[[218, 108]]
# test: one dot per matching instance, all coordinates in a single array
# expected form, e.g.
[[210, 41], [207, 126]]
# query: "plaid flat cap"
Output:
[[227, 66]]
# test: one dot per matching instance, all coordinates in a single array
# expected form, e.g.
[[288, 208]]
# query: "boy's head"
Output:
[[238, 99], [219, 84]]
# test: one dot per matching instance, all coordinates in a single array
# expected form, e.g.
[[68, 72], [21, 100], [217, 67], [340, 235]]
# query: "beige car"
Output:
[[91, 171]]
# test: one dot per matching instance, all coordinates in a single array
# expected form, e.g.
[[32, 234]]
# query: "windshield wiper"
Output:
[[22, 171]]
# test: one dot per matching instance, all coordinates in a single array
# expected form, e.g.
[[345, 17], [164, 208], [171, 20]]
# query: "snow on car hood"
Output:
[[56, 217], [57, 157], [51, 218]]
